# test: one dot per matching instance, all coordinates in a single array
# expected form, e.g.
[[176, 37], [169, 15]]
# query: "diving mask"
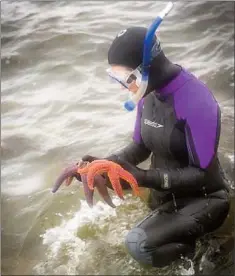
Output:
[[125, 77]]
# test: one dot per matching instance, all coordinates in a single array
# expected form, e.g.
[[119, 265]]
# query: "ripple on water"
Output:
[[58, 105]]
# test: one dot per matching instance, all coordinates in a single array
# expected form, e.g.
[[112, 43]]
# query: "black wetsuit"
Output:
[[179, 126]]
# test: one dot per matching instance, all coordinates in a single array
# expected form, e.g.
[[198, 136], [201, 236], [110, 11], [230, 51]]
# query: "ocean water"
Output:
[[58, 105]]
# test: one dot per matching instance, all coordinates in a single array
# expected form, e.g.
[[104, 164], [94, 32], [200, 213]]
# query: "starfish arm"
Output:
[[83, 170], [68, 172], [114, 179], [69, 180], [95, 170], [103, 190], [128, 177], [87, 192], [97, 164]]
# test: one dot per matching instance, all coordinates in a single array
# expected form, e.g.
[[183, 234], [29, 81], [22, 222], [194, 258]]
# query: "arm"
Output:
[[189, 178], [136, 152], [202, 132], [133, 153]]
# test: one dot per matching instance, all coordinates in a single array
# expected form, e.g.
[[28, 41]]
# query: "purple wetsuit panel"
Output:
[[137, 133], [194, 103]]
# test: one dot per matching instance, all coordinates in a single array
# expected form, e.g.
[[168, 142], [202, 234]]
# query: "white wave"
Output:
[[189, 271], [63, 240], [66, 232], [231, 158]]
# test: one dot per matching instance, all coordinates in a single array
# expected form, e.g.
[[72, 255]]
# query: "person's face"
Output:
[[125, 77]]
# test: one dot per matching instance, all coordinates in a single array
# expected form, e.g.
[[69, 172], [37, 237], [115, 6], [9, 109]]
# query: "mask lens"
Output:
[[131, 78], [125, 78], [116, 80]]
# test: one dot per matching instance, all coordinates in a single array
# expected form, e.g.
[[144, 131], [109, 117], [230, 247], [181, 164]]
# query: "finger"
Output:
[[103, 190], [101, 161], [89, 158], [87, 192]]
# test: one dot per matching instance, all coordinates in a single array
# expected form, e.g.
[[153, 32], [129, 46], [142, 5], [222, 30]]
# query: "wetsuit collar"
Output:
[[176, 83]]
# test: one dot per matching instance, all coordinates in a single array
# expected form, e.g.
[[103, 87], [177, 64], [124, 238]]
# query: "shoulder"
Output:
[[195, 98], [195, 104]]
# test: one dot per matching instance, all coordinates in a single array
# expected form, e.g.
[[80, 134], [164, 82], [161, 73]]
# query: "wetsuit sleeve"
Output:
[[133, 153], [189, 178]]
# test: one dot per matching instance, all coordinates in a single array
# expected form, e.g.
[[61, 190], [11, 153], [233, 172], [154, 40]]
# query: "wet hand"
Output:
[[89, 158]]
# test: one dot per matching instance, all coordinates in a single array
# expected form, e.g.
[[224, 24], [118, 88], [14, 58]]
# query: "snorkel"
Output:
[[131, 104]]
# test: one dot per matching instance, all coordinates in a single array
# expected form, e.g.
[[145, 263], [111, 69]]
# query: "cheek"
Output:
[[133, 87]]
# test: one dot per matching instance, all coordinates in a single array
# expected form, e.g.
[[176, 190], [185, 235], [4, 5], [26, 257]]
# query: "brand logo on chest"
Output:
[[152, 124]]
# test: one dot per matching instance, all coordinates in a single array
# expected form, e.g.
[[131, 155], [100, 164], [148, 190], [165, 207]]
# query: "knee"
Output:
[[136, 244], [141, 248]]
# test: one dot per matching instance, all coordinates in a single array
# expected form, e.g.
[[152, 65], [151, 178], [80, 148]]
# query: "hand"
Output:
[[89, 158]]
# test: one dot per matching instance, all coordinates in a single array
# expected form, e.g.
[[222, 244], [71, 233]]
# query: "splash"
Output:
[[231, 158], [66, 232], [91, 232], [187, 271]]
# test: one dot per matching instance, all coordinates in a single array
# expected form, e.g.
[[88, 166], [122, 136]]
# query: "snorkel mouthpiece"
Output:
[[131, 104]]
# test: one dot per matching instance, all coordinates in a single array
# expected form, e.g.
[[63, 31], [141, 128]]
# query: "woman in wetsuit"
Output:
[[178, 125]]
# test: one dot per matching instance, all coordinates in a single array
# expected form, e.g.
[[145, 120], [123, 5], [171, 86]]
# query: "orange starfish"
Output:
[[115, 173], [99, 182]]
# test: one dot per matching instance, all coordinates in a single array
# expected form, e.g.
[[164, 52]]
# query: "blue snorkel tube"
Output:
[[131, 104]]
